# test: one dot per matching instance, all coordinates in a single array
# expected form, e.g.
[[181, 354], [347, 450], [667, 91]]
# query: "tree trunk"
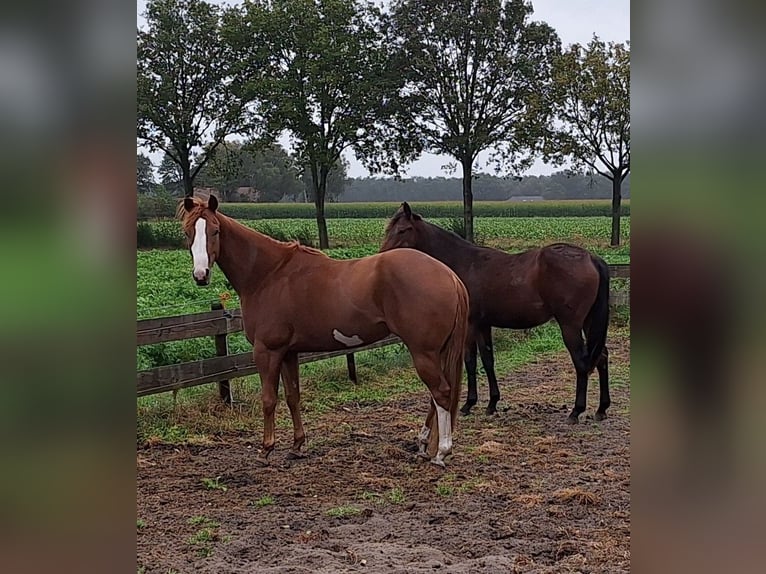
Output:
[[320, 188], [616, 201], [187, 180], [467, 199]]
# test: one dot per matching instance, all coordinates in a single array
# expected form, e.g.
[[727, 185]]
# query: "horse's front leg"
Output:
[[269, 363]]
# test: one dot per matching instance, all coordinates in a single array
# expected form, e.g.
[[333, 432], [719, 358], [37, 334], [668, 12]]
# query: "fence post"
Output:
[[222, 349], [351, 363]]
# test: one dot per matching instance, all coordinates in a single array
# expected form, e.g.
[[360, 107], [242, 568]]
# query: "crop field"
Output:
[[165, 207]]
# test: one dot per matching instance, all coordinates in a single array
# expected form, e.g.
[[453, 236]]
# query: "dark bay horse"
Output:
[[296, 299], [520, 291]]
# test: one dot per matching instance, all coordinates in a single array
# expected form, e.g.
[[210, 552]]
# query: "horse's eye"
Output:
[[215, 232], [406, 229]]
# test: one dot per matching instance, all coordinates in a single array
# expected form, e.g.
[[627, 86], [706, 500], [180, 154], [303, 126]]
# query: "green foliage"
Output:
[[214, 484], [144, 174], [157, 205], [268, 170], [343, 511], [592, 95], [592, 92], [356, 233], [477, 75], [206, 536], [327, 80], [263, 501], [184, 82]]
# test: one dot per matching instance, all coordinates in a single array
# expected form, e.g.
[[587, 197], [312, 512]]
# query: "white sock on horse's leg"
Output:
[[445, 434]]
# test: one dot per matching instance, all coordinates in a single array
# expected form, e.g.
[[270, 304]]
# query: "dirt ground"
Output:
[[524, 492]]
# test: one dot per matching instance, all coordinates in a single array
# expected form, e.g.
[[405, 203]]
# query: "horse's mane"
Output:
[[186, 217], [391, 222], [432, 226]]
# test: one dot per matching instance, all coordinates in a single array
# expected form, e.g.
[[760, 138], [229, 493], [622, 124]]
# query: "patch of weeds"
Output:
[[204, 538], [371, 496], [140, 523], [263, 501], [214, 484], [468, 485], [343, 511], [443, 489], [483, 458], [396, 496]]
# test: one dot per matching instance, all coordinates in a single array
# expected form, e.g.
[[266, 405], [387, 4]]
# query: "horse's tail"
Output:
[[598, 317], [454, 349]]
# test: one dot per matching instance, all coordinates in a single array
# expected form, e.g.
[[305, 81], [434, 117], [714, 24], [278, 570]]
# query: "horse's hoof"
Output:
[[599, 416], [491, 411], [261, 461], [295, 455], [572, 420], [424, 455], [438, 462], [465, 410]]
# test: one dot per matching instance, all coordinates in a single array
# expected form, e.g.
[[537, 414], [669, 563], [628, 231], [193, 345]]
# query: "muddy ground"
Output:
[[524, 492]]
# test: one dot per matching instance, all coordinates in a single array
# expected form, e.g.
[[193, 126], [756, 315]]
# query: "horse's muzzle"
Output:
[[201, 281]]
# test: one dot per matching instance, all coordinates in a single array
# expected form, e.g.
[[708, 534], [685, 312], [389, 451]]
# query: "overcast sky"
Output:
[[574, 20]]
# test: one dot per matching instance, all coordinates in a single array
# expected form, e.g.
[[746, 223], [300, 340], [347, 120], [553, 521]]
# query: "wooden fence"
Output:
[[219, 323]]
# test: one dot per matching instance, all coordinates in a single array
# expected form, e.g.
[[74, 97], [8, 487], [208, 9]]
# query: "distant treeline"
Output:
[[559, 185]]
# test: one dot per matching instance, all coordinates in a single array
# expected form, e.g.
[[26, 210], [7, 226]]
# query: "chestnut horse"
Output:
[[296, 299], [520, 291]]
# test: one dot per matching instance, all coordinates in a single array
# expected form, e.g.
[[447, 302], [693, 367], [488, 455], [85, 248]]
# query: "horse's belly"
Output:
[[525, 318], [336, 335]]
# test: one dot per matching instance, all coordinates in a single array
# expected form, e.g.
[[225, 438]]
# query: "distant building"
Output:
[[526, 198]]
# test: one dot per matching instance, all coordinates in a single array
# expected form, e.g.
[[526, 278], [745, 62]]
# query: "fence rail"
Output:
[[219, 323]]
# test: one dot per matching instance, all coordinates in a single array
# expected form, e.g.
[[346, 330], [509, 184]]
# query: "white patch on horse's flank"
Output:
[[199, 250], [351, 341], [445, 432]]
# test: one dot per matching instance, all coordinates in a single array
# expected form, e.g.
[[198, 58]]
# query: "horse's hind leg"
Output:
[[293, 396], [575, 344], [425, 432], [484, 341], [603, 380], [428, 366], [470, 371]]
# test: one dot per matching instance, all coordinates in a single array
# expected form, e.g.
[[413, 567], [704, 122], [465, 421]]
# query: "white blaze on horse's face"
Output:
[[200, 257]]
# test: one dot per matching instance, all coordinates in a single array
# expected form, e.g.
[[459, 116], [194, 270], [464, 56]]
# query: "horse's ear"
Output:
[[188, 203], [212, 202], [406, 210], [416, 217]]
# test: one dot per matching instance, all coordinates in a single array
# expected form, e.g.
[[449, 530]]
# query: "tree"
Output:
[[336, 182], [185, 95], [145, 182], [266, 168], [477, 73], [329, 79], [593, 101], [170, 175]]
